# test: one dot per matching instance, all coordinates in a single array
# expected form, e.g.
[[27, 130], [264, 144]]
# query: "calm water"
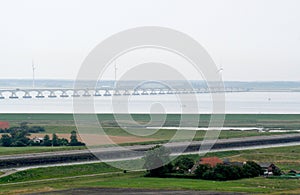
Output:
[[246, 102]]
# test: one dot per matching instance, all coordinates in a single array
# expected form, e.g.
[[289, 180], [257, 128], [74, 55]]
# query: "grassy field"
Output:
[[288, 121], [64, 124], [136, 180], [58, 172], [36, 149], [59, 178]]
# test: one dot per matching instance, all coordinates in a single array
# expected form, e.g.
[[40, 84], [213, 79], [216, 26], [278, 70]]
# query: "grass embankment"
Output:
[[36, 149], [58, 172], [284, 157]]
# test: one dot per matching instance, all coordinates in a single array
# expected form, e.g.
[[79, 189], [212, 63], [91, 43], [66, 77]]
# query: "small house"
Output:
[[269, 168], [37, 140]]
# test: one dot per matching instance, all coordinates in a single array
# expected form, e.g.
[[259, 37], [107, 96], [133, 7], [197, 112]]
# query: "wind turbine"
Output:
[[33, 74], [115, 84], [219, 71], [220, 68]]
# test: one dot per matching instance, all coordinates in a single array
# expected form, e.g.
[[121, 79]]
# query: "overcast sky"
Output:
[[251, 39]]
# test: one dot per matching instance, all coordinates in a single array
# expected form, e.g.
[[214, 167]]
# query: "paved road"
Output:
[[117, 154]]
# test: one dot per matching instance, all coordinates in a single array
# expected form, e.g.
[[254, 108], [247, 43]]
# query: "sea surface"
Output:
[[238, 102]]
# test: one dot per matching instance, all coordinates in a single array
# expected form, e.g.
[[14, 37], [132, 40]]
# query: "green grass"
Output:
[[58, 172], [36, 149], [280, 156], [253, 185], [290, 121], [136, 180], [64, 123]]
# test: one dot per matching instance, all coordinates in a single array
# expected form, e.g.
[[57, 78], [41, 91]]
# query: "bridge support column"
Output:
[[153, 92], [86, 93], [75, 94], [145, 92], [117, 92], [161, 92], [64, 94], [27, 95], [40, 95], [135, 92], [126, 92], [52, 95], [97, 93], [170, 92], [13, 95], [107, 93]]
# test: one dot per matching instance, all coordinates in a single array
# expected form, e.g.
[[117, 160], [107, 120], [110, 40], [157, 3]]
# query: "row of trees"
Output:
[[228, 172], [24, 126], [55, 141], [19, 137], [157, 164]]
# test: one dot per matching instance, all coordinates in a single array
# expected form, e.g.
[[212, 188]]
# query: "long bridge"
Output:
[[28, 93]]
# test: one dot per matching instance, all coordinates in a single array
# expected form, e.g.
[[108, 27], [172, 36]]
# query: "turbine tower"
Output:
[[115, 83], [33, 75]]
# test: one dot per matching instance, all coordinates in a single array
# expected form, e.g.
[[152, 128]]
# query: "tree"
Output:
[[73, 139], [63, 142], [277, 171], [251, 169], [184, 163], [227, 172], [47, 141], [6, 140], [157, 161], [55, 141], [202, 169], [19, 137], [24, 126]]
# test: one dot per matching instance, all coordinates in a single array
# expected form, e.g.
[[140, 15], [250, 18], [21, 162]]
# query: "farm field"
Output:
[[100, 175], [287, 121], [63, 124]]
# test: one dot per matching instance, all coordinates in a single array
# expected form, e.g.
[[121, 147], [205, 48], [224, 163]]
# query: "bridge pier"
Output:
[[52, 94], [135, 92], [117, 93], [1, 96], [40, 95], [75, 94], [27, 95], [145, 92], [126, 92], [170, 92], [97, 93], [153, 92], [86, 94], [107, 93], [64, 94], [13, 95], [161, 92]]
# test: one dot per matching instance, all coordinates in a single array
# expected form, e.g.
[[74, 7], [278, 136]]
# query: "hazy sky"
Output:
[[250, 39]]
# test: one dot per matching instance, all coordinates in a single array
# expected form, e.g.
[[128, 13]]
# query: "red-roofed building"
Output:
[[4, 125], [212, 161]]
